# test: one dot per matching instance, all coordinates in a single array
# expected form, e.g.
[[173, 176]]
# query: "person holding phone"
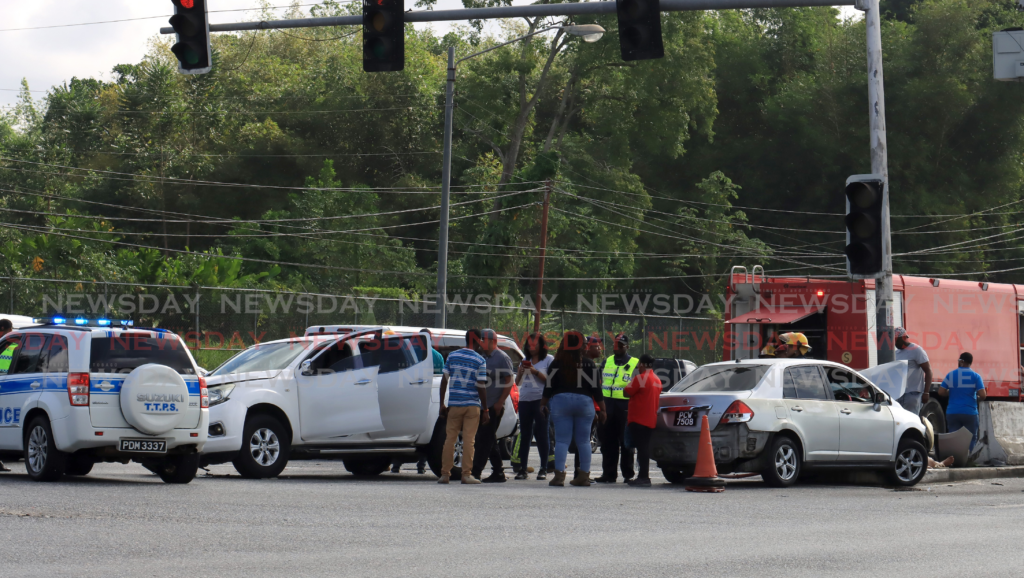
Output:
[[531, 378]]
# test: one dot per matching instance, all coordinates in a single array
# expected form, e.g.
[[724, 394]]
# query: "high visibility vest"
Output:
[[6, 357], [615, 378]]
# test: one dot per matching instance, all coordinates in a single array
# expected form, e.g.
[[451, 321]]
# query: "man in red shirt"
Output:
[[643, 393]]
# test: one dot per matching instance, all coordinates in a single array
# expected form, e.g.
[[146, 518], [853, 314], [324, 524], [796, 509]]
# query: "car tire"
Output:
[[505, 447], [265, 448], [367, 467], [179, 469], [784, 463], [677, 475], [910, 465], [43, 461], [932, 411], [78, 465]]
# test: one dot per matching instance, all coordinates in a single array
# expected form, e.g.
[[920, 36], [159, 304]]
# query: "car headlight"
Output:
[[219, 393]]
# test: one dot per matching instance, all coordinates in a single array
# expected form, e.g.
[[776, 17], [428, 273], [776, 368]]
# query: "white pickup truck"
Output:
[[366, 395]]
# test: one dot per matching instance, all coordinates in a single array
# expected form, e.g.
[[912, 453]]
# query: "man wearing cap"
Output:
[[616, 375], [919, 372]]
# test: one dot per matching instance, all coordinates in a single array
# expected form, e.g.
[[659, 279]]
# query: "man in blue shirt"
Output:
[[964, 388], [464, 379]]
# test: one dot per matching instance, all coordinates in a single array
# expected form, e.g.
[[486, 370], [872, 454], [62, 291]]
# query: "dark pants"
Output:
[[640, 439], [955, 421], [613, 440], [532, 423], [487, 446]]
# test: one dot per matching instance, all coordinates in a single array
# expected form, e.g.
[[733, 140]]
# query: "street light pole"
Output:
[[589, 33], [441, 320]]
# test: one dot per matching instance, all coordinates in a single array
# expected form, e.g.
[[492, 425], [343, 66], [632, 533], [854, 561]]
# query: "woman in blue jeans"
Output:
[[574, 387], [532, 379]]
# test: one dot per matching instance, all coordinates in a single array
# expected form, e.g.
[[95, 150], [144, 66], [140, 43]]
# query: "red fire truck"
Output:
[[944, 316]]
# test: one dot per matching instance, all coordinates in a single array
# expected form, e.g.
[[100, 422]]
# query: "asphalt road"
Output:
[[317, 520]]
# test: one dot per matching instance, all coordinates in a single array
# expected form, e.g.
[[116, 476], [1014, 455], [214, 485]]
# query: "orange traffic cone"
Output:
[[705, 477]]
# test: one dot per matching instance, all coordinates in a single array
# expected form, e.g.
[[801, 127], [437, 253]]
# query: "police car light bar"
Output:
[[80, 321]]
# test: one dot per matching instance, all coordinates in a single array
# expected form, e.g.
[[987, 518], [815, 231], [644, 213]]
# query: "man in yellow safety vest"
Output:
[[6, 356], [615, 376]]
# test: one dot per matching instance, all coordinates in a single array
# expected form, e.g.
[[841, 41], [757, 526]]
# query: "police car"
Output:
[[74, 392]]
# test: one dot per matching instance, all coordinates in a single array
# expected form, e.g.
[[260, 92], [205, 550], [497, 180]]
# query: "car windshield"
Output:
[[715, 378], [263, 357]]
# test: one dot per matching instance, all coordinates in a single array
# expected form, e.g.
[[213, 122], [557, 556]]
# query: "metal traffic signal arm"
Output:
[[532, 10]]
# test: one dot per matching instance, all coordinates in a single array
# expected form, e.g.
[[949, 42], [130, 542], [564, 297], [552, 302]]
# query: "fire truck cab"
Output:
[[945, 316]]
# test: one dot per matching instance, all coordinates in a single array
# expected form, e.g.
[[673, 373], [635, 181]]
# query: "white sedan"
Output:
[[781, 417]]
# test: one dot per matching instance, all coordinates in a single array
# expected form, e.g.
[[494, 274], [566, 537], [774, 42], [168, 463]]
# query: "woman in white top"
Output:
[[531, 379]]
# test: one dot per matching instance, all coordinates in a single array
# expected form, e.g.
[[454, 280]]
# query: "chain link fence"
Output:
[[225, 320]]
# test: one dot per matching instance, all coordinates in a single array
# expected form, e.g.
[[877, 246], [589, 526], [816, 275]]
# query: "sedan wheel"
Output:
[[910, 465], [784, 467], [785, 463]]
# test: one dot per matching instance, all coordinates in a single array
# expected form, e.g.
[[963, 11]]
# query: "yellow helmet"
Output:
[[798, 339]]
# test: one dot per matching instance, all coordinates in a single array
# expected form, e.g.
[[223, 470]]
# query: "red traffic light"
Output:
[[187, 4]]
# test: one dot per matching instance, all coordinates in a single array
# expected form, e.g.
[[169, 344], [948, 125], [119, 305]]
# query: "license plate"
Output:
[[684, 418], [144, 446]]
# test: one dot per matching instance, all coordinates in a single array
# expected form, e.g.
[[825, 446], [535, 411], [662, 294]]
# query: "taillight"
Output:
[[204, 394], [738, 412], [78, 388]]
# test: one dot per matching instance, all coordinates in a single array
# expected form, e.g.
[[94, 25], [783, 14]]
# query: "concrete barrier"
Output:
[[1003, 422]]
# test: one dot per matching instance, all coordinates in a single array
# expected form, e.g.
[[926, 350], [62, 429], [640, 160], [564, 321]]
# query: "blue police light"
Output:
[[59, 320], [81, 321], [103, 322], [127, 323]]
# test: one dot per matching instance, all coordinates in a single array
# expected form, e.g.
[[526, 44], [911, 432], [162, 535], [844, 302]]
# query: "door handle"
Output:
[[35, 385], [846, 411], [418, 382], [362, 382], [796, 408]]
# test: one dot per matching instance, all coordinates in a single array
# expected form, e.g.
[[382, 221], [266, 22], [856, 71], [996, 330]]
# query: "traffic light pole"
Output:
[[880, 166]]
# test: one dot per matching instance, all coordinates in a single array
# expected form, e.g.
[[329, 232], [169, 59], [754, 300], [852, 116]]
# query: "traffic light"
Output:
[[193, 46], [865, 235], [383, 35], [639, 29]]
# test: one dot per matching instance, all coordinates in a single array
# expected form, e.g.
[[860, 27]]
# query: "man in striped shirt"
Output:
[[465, 379]]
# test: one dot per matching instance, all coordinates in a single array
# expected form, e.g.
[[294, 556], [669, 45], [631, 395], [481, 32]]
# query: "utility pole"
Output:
[[879, 166], [441, 319], [543, 254]]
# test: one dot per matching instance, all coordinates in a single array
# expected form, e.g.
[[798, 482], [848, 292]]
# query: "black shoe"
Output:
[[542, 474], [640, 483], [626, 480], [604, 480], [521, 475], [421, 469], [495, 478]]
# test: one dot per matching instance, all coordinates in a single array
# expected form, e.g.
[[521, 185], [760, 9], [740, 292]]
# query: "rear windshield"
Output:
[[263, 357], [712, 378], [124, 353]]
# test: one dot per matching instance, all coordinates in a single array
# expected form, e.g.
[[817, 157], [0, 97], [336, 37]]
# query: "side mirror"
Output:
[[879, 397], [307, 367]]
